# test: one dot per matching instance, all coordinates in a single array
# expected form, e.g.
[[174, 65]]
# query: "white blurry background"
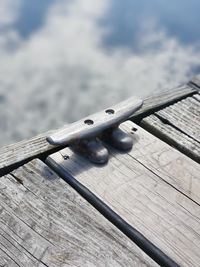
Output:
[[63, 70]]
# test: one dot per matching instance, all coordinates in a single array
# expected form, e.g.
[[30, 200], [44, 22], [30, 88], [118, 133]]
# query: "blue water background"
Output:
[[62, 59]]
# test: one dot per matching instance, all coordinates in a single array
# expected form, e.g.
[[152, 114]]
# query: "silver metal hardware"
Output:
[[84, 136]]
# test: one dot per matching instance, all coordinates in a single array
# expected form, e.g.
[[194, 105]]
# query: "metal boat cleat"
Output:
[[93, 149], [84, 136], [118, 139]]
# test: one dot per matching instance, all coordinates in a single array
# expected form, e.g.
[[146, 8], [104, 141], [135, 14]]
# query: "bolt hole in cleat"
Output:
[[85, 136]]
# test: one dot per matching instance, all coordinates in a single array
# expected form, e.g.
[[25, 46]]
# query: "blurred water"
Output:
[[63, 59]]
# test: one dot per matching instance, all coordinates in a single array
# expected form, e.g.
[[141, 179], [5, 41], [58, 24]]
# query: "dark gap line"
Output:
[[194, 85], [163, 179], [166, 121], [170, 141], [198, 100], [42, 156], [29, 255], [137, 118], [133, 234]]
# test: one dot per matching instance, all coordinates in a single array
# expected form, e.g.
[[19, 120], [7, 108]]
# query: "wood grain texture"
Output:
[[197, 97], [172, 166], [178, 125], [163, 99], [196, 80], [23, 151], [185, 116], [172, 136], [44, 222], [140, 187]]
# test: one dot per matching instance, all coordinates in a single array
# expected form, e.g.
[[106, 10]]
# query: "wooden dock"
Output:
[[155, 188]]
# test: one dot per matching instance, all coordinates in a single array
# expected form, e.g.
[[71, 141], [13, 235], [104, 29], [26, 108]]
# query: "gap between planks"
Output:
[[44, 222], [178, 125], [14, 155], [161, 188]]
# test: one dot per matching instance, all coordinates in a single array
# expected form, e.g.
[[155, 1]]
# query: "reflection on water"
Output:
[[178, 19], [31, 16], [62, 59]]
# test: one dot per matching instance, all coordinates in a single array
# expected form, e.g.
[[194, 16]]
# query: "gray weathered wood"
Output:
[[161, 99], [44, 222], [174, 167], [196, 80], [185, 116], [141, 187], [153, 153], [178, 125], [197, 97], [172, 136], [24, 150], [28, 149]]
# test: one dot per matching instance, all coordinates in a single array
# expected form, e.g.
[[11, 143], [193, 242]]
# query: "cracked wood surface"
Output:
[[25, 150], [44, 222], [144, 187], [179, 125]]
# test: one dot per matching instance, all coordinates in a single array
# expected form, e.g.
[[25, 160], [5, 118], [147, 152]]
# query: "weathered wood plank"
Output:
[[24, 150], [44, 222], [197, 97], [174, 167], [196, 80], [178, 125], [172, 136], [7, 261], [10, 254], [185, 116], [162, 99], [141, 193], [20, 152]]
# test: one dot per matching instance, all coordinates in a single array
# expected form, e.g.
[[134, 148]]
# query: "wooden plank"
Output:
[[172, 136], [184, 116], [12, 253], [196, 80], [141, 193], [6, 261], [197, 97], [13, 155], [175, 168], [22, 151], [163, 99], [44, 222]]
